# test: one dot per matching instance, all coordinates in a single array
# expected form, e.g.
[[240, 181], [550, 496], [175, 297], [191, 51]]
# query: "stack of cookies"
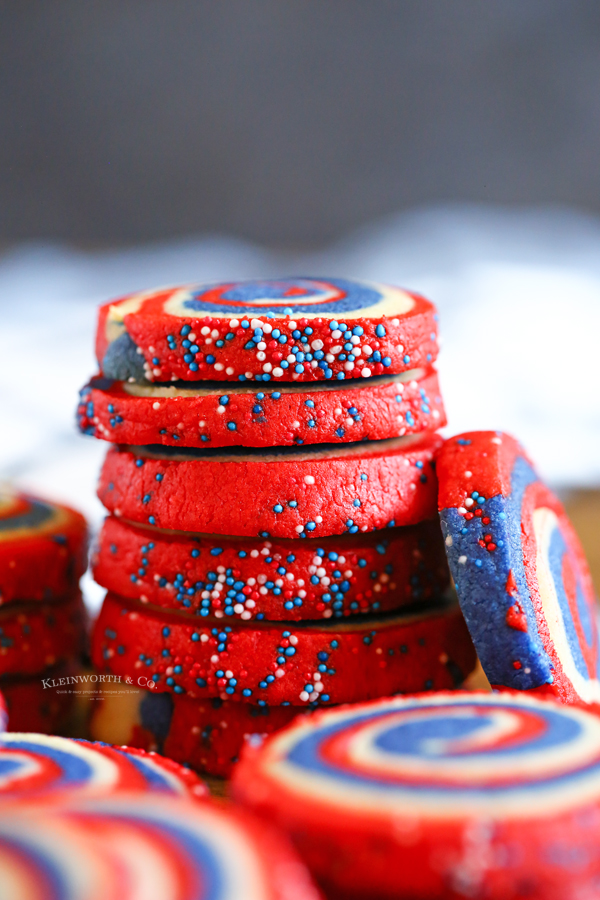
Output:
[[272, 544], [43, 553]]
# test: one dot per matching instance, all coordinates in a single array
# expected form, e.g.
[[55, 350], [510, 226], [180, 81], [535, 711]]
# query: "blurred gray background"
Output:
[[288, 122]]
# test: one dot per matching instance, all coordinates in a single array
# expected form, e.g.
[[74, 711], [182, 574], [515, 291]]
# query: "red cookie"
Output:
[[287, 493], [264, 579], [295, 329], [43, 548], [34, 705], [35, 636], [300, 663], [207, 735], [222, 415]]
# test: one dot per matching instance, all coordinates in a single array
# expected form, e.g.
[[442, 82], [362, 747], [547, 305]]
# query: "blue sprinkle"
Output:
[[380, 331], [224, 400]]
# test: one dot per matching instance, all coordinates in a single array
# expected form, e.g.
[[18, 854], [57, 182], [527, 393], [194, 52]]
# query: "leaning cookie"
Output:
[[519, 569], [272, 579], [225, 415], [128, 846], [43, 548], [286, 492], [295, 329], [437, 796], [426, 648], [206, 735]]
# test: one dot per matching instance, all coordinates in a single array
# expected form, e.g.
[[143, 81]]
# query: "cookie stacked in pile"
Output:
[[43, 553], [272, 543]]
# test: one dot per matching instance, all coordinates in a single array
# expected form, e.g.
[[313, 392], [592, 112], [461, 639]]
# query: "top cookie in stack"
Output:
[[210, 519]]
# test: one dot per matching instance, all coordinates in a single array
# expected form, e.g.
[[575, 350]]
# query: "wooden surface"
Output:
[[583, 508]]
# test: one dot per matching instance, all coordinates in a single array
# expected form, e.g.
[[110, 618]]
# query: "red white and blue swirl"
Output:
[[327, 297], [19, 515], [33, 763], [83, 851], [444, 755]]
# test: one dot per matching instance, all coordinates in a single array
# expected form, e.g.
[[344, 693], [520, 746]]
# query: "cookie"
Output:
[[33, 704], [288, 492], [33, 764], [437, 796], [222, 415], [43, 548], [520, 572], [300, 663], [141, 845], [207, 735], [295, 329], [272, 579], [36, 636]]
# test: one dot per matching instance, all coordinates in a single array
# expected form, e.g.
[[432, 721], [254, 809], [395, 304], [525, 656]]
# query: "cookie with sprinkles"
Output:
[[337, 661], [41, 703], [452, 795], [128, 846], [34, 764], [35, 636], [222, 415], [274, 579], [519, 569], [207, 735], [286, 492], [294, 329], [43, 548]]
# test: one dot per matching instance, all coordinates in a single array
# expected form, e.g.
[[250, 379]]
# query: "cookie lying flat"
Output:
[[278, 579], [300, 663], [295, 329], [37, 763], [440, 796], [225, 415], [520, 573], [35, 636], [43, 548], [289, 492], [207, 735], [134, 846]]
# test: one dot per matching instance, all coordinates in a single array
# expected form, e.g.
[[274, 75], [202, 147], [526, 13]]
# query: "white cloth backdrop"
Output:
[[519, 300]]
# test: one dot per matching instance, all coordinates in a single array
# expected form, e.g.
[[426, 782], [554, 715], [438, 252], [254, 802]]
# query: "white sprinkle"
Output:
[[462, 560], [214, 658], [277, 372], [299, 529], [365, 372], [357, 351], [303, 696], [156, 372], [256, 323], [279, 673], [219, 367], [355, 339], [249, 375], [293, 640], [233, 323], [290, 576], [395, 321], [348, 366], [156, 405], [267, 328], [261, 579], [246, 615], [461, 510], [254, 553], [317, 676], [220, 409], [203, 638], [337, 349], [328, 614], [449, 541], [468, 474], [292, 325], [261, 356], [229, 370], [261, 345], [309, 479], [267, 367], [329, 358], [318, 519], [191, 336], [367, 350], [469, 502], [317, 344], [205, 330], [497, 440], [336, 334], [313, 696], [238, 609], [214, 333], [341, 560]]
